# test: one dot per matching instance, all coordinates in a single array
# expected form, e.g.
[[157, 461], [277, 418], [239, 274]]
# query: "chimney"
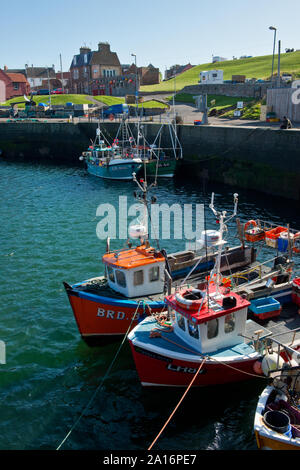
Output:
[[5, 68], [104, 47], [84, 50]]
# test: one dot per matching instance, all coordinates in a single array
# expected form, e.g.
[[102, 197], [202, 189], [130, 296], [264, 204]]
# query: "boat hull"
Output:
[[267, 438], [166, 168], [99, 317], [159, 370], [120, 171]]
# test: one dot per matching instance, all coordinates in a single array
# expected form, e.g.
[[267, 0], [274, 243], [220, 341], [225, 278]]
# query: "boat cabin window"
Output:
[[193, 329], [138, 278], [154, 274], [120, 277], [229, 323], [212, 328], [180, 321], [111, 274]]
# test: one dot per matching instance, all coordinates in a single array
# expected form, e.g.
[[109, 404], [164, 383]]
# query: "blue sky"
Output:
[[161, 32]]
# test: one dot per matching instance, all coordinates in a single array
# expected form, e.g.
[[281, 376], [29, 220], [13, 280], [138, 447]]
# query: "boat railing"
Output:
[[267, 225], [269, 343], [263, 275]]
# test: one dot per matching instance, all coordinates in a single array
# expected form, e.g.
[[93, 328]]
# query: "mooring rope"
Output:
[[178, 404], [105, 376]]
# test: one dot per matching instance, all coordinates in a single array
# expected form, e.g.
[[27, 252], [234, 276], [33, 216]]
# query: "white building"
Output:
[[211, 77], [217, 58]]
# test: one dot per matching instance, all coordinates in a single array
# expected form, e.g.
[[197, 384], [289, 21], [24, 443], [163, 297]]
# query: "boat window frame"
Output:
[[180, 321], [151, 270], [191, 324], [123, 283], [216, 331], [228, 322], [111, 274], [135, 273]]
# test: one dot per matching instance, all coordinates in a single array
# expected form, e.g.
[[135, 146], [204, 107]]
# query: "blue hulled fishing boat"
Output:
[[109, 161]]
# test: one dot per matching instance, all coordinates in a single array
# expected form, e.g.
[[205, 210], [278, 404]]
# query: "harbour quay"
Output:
[[256, 158]]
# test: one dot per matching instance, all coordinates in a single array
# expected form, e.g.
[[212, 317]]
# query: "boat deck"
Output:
[[280, 328], [173, 344]]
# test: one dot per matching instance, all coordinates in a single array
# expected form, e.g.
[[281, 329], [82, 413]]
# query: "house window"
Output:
[[154, 274], [229, 323], [180, 321], [111, 274], [75, 73], [212, 328], [193, 329], [120, 277], [16, 85], [138, 278], [85, 58], [74, 60], [104, 73]]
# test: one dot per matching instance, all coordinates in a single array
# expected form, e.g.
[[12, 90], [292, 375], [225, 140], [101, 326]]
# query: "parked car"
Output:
[[43, 92], [57, 91]]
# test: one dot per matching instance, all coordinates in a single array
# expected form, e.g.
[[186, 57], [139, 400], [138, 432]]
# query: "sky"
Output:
[[160, 32]]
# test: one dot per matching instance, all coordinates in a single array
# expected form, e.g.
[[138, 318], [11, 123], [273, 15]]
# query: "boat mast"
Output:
[[221, 217]]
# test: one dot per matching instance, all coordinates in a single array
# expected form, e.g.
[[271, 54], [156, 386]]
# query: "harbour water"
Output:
[[48, 235]]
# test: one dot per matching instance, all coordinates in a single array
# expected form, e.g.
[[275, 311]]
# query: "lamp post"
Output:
[[49, 87], [272, 28], [136, 79]]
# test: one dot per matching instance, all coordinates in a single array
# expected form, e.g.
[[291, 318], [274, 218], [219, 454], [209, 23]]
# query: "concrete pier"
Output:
[[256, 158]]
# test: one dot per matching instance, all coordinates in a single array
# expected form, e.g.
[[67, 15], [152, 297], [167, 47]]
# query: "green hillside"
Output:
[[256, 67]]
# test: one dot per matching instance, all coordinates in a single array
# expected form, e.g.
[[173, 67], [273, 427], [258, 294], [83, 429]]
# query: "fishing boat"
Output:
[[204, 334], [137, 278], [277, 415], [107, 161], [161, 161]]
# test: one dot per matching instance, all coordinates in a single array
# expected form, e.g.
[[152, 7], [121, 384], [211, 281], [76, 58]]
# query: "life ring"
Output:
[[189, 303], [250, 222]]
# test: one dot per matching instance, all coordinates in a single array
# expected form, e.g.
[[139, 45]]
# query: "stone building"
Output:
[[146, 75], [12, 84], [99, 73]]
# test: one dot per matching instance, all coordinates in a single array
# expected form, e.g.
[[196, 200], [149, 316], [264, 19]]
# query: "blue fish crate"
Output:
[[265, 307], [265, 304], [282, 245]]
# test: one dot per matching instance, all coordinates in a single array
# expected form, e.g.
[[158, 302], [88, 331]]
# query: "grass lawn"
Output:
[[255, 67], [81, 99], [250, 112], [55, 100], [109, 100]]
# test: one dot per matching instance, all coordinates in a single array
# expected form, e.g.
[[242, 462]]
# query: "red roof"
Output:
[[17, 77]]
